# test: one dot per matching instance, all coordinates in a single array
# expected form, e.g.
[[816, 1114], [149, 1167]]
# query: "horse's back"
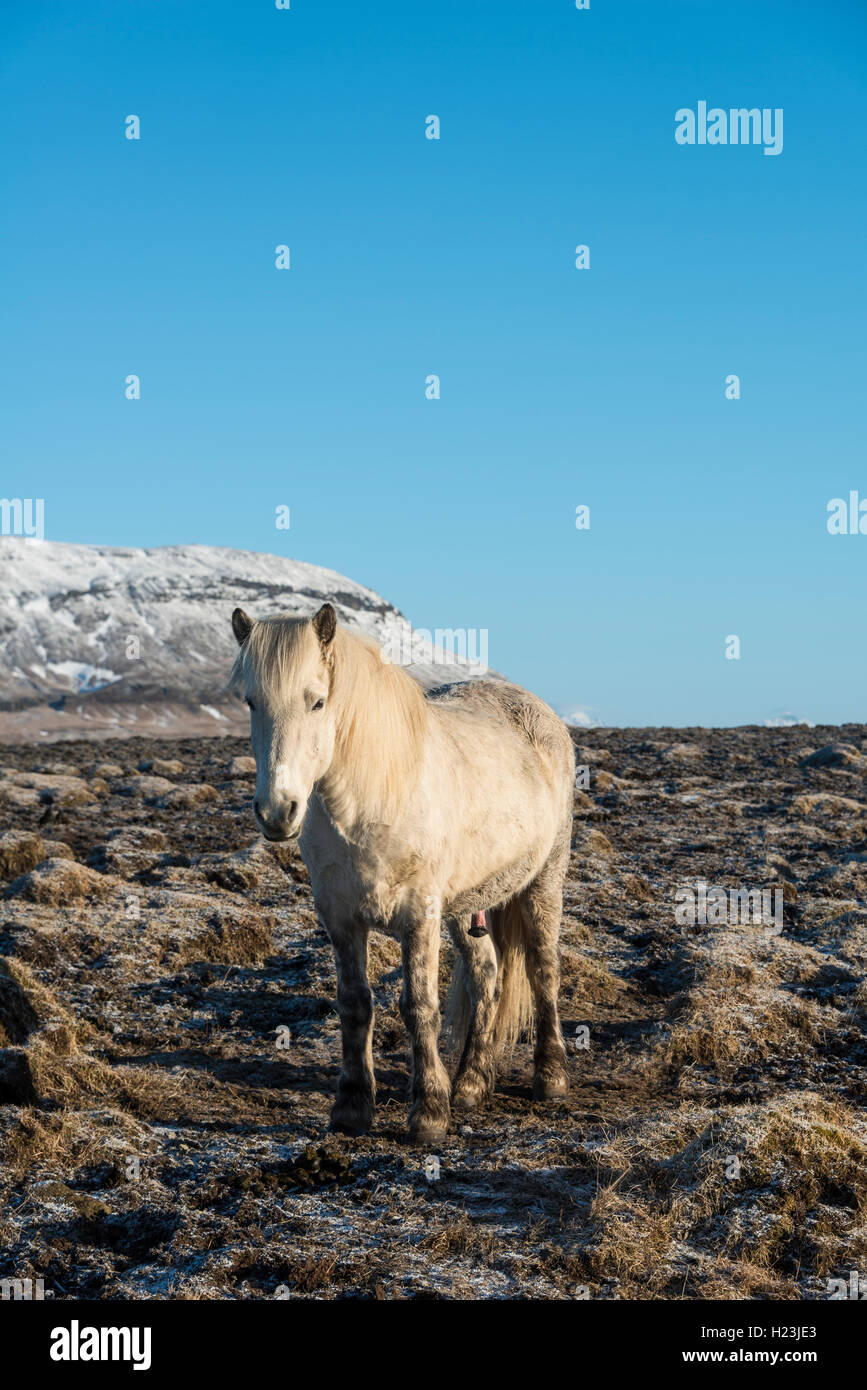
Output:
[[522, 712]]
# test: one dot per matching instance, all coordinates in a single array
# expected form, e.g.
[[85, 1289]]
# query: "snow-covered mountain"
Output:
[[103, 641]]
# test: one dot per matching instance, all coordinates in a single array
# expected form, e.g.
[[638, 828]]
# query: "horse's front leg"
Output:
[[420, 1009], [352, 1112]]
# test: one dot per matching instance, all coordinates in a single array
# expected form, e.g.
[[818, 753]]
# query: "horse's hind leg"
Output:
[[475, 1076], [542, 911], [352, 1112]]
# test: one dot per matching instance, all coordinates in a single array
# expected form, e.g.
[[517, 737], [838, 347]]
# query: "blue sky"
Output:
[[410, 257]]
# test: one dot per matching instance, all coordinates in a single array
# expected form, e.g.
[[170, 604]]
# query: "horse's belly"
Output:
[[493, 888]]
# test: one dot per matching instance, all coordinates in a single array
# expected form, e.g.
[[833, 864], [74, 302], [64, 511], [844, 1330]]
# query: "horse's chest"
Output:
[[379, 901], [369, 887], [374, 899]]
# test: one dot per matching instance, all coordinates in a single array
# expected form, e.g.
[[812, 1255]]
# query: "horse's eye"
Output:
[[320, 704], [250, 703]]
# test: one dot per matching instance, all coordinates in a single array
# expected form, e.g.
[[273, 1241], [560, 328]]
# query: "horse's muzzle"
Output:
[[288, 827]]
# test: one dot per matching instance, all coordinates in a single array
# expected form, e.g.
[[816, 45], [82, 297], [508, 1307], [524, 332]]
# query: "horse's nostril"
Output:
[[284, 817]]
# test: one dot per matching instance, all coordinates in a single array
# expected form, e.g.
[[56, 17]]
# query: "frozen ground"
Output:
[[169, 1047]]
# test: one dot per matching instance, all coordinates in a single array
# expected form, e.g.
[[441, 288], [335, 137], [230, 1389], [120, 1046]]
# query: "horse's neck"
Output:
[[344, 806]]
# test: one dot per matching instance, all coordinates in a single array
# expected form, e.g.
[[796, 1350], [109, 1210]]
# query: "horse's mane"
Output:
[[269, 654], [381, 724], [380, 713]]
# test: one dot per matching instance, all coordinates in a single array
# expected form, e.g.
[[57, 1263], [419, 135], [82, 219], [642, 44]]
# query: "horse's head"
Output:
[[284, 669]]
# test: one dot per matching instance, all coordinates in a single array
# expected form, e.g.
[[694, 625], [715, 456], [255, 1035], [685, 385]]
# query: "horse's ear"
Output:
[[242, 625], [325, 624]]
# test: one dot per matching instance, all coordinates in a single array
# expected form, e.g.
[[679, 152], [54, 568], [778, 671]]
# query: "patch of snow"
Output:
[[82, 676]]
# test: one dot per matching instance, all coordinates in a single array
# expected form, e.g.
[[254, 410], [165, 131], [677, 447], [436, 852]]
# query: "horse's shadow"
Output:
[[243, 993], [253, 1072], [246, 994]]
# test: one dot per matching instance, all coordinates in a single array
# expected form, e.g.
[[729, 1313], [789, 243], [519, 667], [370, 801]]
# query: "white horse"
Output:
[[410, 811]]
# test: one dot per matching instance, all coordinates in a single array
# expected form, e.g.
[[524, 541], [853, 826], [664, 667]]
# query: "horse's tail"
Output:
[[515, 1003]]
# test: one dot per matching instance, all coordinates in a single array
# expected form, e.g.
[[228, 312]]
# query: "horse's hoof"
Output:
[[428, 1136], [470, 1090], [352, 1113], [550, 1085], [428, 1125]]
